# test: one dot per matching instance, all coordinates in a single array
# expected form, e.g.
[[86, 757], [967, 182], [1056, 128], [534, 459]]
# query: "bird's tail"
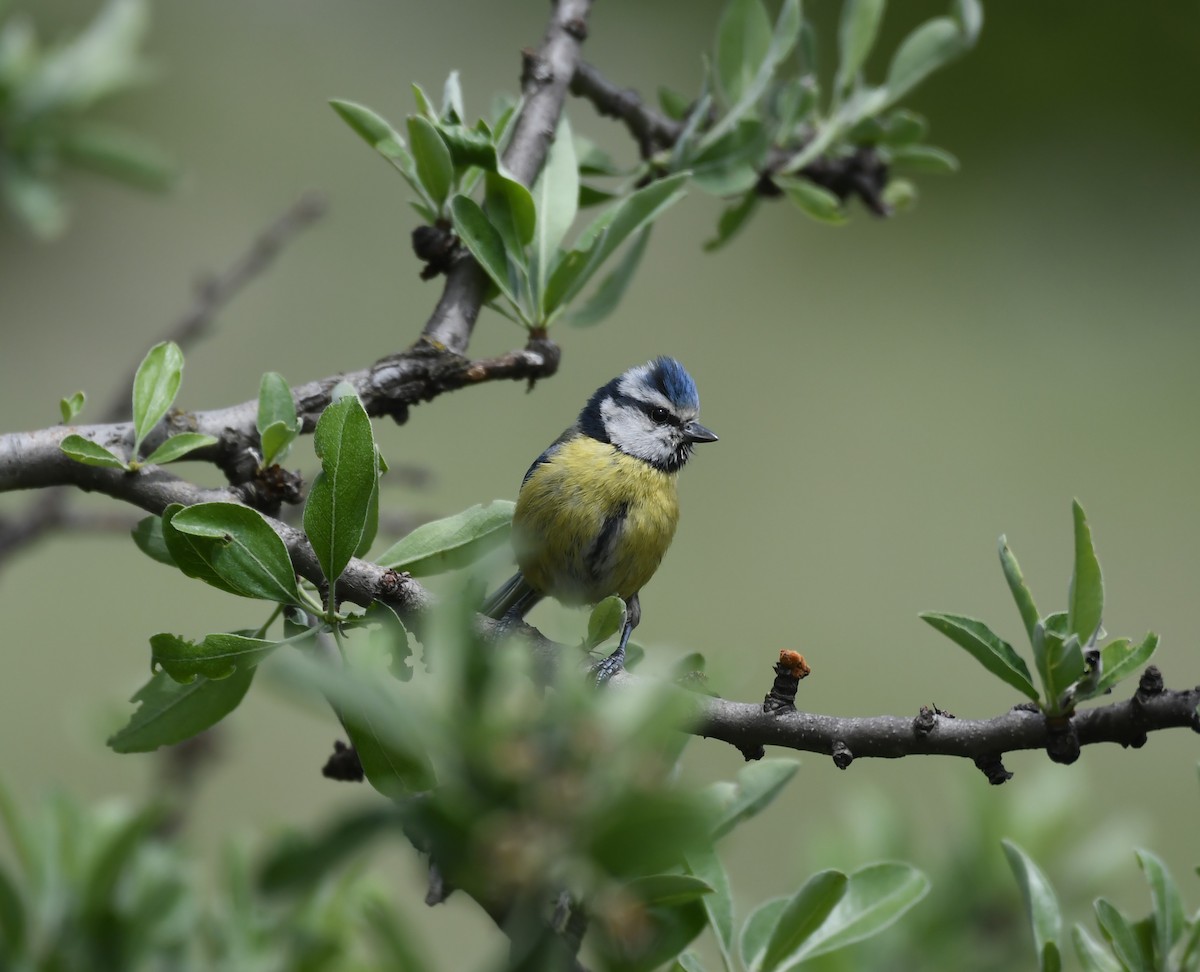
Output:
[[515, 595]]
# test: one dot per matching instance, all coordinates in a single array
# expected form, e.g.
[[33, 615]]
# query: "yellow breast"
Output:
[[592, 521]]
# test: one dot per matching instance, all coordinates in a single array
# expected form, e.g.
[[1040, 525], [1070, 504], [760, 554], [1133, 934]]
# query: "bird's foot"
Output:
[[603, 670]]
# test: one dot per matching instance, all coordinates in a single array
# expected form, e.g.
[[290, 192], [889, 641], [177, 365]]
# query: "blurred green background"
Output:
[[891, 396]]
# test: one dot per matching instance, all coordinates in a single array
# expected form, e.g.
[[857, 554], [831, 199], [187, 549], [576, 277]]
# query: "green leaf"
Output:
[[277, 423], [931, 46], [1016, 584], [424, 103], [36, 200], [900, 195], [803, 915], [217, 656], [377, 133], [732, 219], [100, 61], [639, 832], [758, 783], [453, 542], [452, 97], [969, 14], [383, 731], [510, 209], [1123, 938], [115, 856], [178, 446], [556, 201], [1041, 906], [704, 863], [148, 535], [856, 37], [336, 512], [743, 39], [904, 127], [814, 201], [876, 897], [988, 648], [432, 158], [470, 147], [299, 864], [674, 105], [72, 406], [485, 243], [1168, 914], [1085, 600], [119, 155], [924, 158], [783, 41], [371, 526], [1119, 661], [608, 294], [633, 213], [169, 712], [606, 619], [90, 453], [231, 547], [1092, 955], [154, 388], [757, 931], [667, 889], [688, 962], [1060, 664]]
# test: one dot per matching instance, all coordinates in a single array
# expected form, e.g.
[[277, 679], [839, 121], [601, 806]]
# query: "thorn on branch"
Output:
[[790, 668], [927, 719], [993, 768], [344, 765], [842, 757]]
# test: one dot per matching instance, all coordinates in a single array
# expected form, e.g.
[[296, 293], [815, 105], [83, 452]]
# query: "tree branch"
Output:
[[49, 511], [750, 726]]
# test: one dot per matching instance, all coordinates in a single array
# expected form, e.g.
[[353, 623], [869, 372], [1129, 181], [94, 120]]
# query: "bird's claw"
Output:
[[603, 670]]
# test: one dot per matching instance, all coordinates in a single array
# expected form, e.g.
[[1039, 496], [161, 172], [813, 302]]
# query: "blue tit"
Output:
[[598, 509]]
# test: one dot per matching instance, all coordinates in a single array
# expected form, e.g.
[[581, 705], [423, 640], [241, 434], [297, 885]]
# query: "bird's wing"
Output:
[[554, 446]]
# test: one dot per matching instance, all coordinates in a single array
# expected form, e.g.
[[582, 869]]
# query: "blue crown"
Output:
[[671, 378]]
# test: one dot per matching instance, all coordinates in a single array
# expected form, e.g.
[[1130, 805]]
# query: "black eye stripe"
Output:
[[649, 409]]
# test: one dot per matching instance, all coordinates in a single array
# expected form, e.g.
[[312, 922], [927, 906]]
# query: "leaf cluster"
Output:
[[47, 99], [775, 131], [155, 386], [1165, 940], [101, 888], [1071, 663]]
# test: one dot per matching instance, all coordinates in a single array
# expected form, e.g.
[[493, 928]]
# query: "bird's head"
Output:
[[649, 412]]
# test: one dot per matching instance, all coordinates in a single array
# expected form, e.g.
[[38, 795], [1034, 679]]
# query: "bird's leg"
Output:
[[605, 669]]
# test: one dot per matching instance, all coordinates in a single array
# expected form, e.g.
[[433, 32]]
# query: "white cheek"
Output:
[[631, 431]]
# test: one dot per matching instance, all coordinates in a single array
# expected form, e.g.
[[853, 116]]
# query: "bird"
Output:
[[598, 508]]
